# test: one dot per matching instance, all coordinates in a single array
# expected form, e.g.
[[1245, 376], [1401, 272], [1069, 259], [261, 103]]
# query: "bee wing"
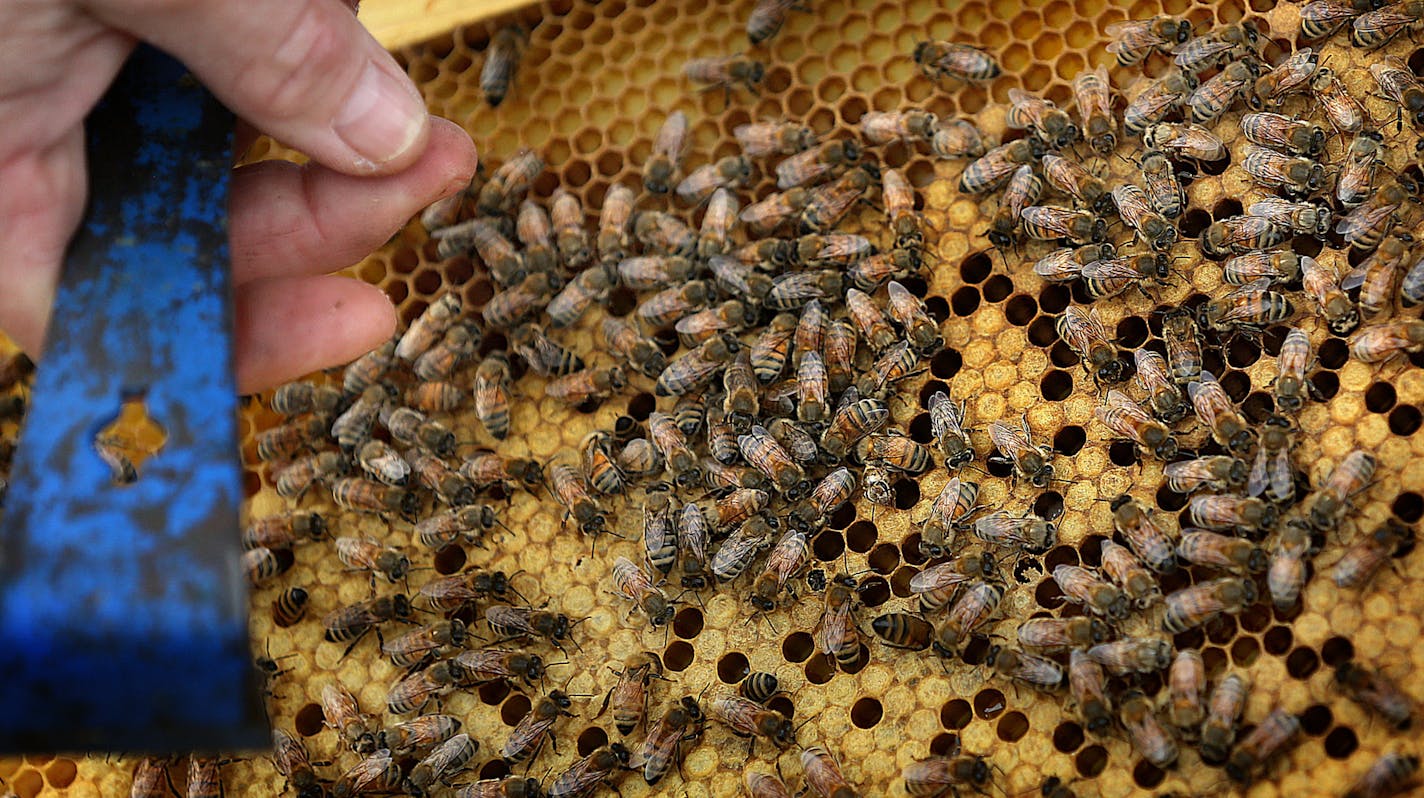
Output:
[[1197, 50], [789, 171], [1006, 438], [1382, 20], [1058, 266], [1256, 483], [1260, 285], [936, 577], [507, 617], [1282, 475], [1111, 269], [1363, 218], [834, 625]]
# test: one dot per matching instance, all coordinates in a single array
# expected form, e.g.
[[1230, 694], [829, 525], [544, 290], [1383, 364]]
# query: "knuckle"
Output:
[[294, 77]]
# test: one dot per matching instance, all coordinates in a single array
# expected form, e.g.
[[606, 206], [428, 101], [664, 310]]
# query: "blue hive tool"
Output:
[[123, 609]]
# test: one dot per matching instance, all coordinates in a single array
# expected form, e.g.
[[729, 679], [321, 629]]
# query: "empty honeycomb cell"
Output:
[[1380, 397], [1341, 742], [866, 713], [888, 98], [884, 558], [27, 783], [1302, 662], [1405, 420], [1316, 719], [1091, 761], [1067, 737], [590, 739], [494, 693], [820, 669], [1244, 651], [1012, 727], [679, 656], [308, 720], [514, 708], [687, 623], [1056, 385], [956, 714], [733, 667], [989, 703], [796, 647], [861, 536]]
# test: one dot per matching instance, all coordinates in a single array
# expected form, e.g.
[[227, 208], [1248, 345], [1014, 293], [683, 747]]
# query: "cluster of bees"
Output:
[[777, 333]]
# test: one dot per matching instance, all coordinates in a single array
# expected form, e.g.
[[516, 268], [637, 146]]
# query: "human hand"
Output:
[[303, 71]]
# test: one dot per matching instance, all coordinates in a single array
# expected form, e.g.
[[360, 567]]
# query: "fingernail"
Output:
[[381, 118]]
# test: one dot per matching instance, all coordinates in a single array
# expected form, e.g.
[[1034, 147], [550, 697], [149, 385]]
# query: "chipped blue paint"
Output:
[[123, 620]]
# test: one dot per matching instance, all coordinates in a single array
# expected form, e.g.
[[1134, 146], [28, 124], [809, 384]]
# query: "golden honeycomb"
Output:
[[595, 83]]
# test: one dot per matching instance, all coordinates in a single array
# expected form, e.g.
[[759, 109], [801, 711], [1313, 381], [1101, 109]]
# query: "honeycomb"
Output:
[[595, 83]]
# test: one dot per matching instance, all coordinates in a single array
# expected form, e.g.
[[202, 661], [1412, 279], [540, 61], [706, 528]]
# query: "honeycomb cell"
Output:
[[866, 713], [989, 703]]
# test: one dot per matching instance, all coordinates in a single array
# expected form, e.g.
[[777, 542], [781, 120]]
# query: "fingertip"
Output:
[[288, 327], [453, 145]]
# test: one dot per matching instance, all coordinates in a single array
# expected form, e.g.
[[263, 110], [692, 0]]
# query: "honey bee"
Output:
[[830, 202], [823, 774], [585, 386], [1271, 737], [569, 233], [624, 340], [1366, 226], [746, 718], [1163, 190], [1087, 684], [878, 489], [613, 221], [441, 396], [290, 757], [569, 305], [840, 346], [1391, 774], [524, 299], [938, 584], [506, 787], [1134, 40], [516, 622], [285, 530], [1231, 513], [1298, 217], [489, 665], [1030, 533], [903, 630], [736, 553], [1272, 473], [695, 369], [487, 469], [1216, 96], [939, 59], [737, 506], [341, 713], [634, 584], [939, 775], [481, 236], [888, 127], [947, 516], [290, 606], [1187, 688], [529, 736], [672, 445], [570, 489], [764, 785], [628, 696], [1290, 76], [838, 634], [1362, 560], [1160, 98], [947, 429], [1295, 176], [1214, 473], [718, 222], [1030, 462], [1145, 732], [1093, 96], [1085, 334], [1132, 655], [1204, 52], [1128, 573], [262, 565], [545, 356], [1380, 343], [1322, 283], [1378, 275], [1188, 141], [1224, 710], [1070, 178], [1062, 634], [349, 429], [416, 734], [733, 171], [1331, 501], [435, 640], [1081, 586], [365, 496], [1110, 277], [811, 165], [413, 428], [427, 328], [377, 772], [1285, 133], [1129, 421], [1050, 223], [367, 555], [1233, 554], [1355, 183], [492, 395], [896, 452], [662, 748], [596, 457], [763, 139], [851, 423], [1275, 267], [1042, 118], [1285, 575], [975, 606], [1250, 306], [725, 72], [1399, 84], [668, 147], [501, 63], [1066, 263], [995, 167], [1196, 605], [1218, 414], [448, 758], [796, 439], [368, 369], [585, 776], [1148, 540], [1236, 235], [1343, 111], [1379, 26], [1321, 19], [1023, 191], [508, 184], [352, 622], [764, 217], [451, 593], [1375, 692], [1163, 395], [957, 138], [305, 397], [762, 452]]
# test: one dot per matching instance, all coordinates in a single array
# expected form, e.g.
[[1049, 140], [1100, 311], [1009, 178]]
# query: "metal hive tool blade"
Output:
[[123, 621]]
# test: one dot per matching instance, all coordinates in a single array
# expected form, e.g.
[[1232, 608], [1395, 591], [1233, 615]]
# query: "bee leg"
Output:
[[354, 642]]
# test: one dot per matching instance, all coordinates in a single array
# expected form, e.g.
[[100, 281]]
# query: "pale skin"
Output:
[[303, 71]]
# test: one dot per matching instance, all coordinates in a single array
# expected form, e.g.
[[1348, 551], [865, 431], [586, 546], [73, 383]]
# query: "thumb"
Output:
[[303, 71]]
